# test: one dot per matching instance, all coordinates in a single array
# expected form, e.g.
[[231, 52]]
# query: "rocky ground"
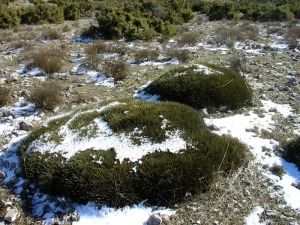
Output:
[[270, 67]]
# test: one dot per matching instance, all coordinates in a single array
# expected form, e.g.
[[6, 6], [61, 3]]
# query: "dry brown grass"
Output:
[[188, 38], [146, 54], [182, 55], [232, 198], [51, 34], [5, 96], [97, 47], [50, 60], [116, 69], [46, 95]]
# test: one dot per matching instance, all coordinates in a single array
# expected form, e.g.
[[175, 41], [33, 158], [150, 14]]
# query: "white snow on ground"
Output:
[[240, 126], [100, 79], [135, 215], [253, 217], [122, 144]]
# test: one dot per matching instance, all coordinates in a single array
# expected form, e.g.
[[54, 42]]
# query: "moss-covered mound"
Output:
[[202, 86], [292, 152], [123, 152]]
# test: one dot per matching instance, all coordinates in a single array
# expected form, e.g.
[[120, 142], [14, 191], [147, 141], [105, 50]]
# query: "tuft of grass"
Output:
[[162, 177], [52, 34], [50, 60], [5, 96], [182, 55], [116, 69], [277, 170], [188, 38], [96, 47], [46, 95], [189, 86], [145, 55]]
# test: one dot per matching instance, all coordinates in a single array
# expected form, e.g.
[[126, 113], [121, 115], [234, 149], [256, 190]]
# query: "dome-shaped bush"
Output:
[[126, 151], [202, 86]]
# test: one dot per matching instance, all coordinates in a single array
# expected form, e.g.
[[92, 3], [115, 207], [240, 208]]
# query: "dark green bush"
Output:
[[161, 177], [221, 88], [8, 17], [141, 19], [72, 11], [292, 152], [41, 13]]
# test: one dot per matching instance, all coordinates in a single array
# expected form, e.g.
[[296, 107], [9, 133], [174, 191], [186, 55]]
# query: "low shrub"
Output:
[[237, 63], [277, 170], [5, 96], [146, 55], [116, 69], [191, 86], [292, 152], [49, 60], [163, 177], [46, 95], [182, 55], [228, 36], [188, 38], [96, 47], [52, 34]]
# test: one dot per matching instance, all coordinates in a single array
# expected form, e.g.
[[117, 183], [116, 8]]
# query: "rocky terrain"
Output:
[[264, 58]]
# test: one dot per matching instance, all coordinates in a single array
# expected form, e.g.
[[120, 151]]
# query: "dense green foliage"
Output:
[[8, 17], [292, 152], [250, 10], [141, 19], [161, 177], [224, 87]]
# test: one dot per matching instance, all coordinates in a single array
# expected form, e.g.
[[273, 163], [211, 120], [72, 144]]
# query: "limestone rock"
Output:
[[12, 215], [154, 219], [25, 126]]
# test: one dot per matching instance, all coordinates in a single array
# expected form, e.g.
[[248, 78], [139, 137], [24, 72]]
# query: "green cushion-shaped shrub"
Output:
[[192, 86], [133, 150]]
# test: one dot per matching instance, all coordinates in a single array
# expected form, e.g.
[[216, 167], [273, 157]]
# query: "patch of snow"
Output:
[[279, 45], [79, 69], [253, 217], [135, 215], [81, 39], [100, 79], [240, 126], [204, 69], [140, 94], [76, 58]]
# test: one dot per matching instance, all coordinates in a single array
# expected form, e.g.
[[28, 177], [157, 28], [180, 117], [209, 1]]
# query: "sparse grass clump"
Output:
[[146, 55], [52, 34], [190, 86], [46, 95], [292, 152], [50, 60], [188, 38], [182, 55], [5, 95], [97, 47], [162, 177], [277, 170], [116, 69]]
